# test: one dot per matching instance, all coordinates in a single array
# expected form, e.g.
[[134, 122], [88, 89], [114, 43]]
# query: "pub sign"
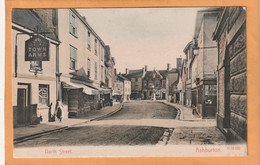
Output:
[[37, 49]]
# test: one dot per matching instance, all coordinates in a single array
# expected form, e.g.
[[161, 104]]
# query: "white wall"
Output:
[[47, 77]]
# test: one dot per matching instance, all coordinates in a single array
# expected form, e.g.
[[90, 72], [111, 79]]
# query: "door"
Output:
[[21, 98]]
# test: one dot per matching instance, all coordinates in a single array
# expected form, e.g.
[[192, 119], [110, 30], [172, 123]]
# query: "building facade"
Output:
[[204, 92], [230, 34], [81, 62], [34, 57], [154, 85], [188, 50], [136, 77], [182, 82], [125, 91]]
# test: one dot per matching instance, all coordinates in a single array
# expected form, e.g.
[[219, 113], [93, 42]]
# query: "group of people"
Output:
[[57, 113]]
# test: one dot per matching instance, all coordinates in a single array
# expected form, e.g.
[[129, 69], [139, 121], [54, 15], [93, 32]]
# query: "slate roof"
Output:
[[30, 20], [173, 70], [134, 73], [148, 74], [121, 77]]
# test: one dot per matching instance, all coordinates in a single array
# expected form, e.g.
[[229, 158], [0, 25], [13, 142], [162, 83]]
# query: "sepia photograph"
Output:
[[129, 82]]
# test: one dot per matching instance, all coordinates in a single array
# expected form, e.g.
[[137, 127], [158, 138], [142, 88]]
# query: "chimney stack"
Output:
[[168, 66], [115, 71], [178, 63], [145, 68], [126, 70]]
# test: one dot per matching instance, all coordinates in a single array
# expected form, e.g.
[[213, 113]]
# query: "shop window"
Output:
[[200, 95], [43, 94], [211, 90]]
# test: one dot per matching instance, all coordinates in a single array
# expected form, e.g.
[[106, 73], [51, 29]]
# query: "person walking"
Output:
[[58, 110]]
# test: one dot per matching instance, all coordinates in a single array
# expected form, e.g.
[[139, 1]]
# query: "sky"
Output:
[[143, 36]]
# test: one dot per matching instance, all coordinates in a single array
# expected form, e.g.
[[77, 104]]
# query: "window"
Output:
[[43, 94], [102, 53], [163, 83], [89, 41], [73, 57], [35, 65], [211, 90], [95, 46], [73, 24], [89, 66], [136, 79], [95, 70], [102, 73], [157, 84], [144, 84]]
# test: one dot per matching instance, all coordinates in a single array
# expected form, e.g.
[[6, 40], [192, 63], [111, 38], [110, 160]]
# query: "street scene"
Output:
[[129, 77]]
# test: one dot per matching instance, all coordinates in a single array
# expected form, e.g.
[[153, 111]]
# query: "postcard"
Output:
[[130, 82]]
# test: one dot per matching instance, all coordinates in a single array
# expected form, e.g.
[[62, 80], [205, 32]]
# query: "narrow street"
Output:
[[134, 124]]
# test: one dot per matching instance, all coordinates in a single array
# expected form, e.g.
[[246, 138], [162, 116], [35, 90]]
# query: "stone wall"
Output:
[[238, 84], [232, 76]]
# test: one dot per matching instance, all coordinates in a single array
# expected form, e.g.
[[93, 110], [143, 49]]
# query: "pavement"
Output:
[[24, 133], [191, 129]]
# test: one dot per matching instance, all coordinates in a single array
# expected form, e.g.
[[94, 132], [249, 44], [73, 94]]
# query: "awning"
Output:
[[86, 89]]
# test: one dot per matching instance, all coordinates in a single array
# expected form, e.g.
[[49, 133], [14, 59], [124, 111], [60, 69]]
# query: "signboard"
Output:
[[37, 49], [43, 93]]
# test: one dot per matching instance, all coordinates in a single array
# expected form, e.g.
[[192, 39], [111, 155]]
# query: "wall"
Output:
[[80, 42], [210, 58], [232, 74], [47, 77]]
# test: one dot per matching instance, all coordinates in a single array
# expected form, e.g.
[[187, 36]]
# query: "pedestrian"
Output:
[[59, 114], [58, 110], [49, 113]]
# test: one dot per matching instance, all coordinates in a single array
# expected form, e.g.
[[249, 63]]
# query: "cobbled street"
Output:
[[137, 123]]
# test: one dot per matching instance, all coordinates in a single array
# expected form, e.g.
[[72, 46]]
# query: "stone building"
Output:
[[189, 55], [136, 77], [34, 53], [204, 64], [154, 85], [230, 34]]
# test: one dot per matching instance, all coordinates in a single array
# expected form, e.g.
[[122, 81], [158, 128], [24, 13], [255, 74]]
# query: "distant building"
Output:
[[136, 77], [34, 54], [230, 34], [172, 77], [125, 91], [189, 56], [154, 85], [204, 64], [182, 82]]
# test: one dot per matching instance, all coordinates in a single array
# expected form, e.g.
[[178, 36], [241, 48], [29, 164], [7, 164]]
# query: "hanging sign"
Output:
[[37, 49]]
